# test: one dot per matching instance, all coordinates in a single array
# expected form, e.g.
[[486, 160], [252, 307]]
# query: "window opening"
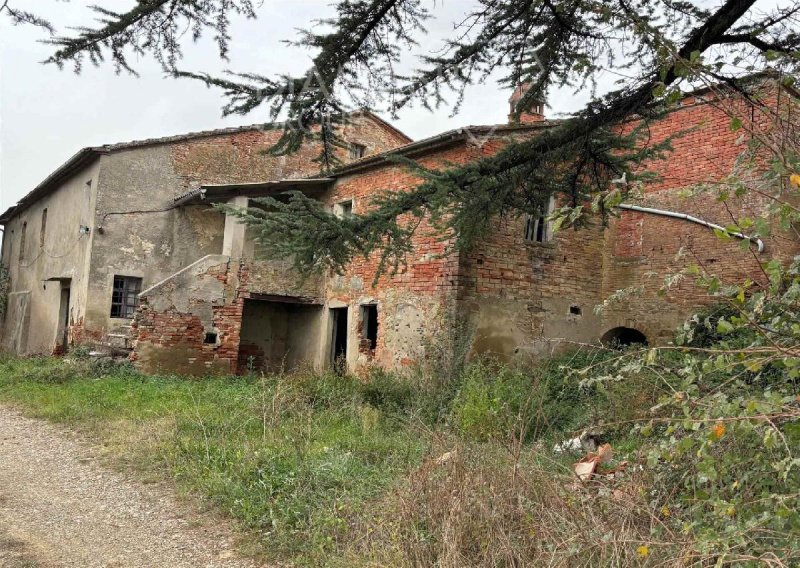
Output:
[[357, 151], [125, 296], [344, 209], [22, 241], [537, 226], [43, 230], [369, 326]]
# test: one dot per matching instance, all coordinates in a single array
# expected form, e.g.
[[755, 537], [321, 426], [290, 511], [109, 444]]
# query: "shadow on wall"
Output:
[[623, 337]]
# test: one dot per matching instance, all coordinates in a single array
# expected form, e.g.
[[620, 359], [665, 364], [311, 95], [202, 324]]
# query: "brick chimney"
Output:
[[534, 114]]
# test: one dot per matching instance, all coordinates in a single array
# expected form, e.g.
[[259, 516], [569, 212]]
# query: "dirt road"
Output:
[[60, 507]]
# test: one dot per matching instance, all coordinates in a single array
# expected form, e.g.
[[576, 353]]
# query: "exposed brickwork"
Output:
[[521, 297], [413, 302], [243, 156], [179, 337]]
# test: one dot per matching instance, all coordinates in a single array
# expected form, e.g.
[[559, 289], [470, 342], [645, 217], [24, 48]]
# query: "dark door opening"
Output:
[[62, 339], [339, 339]]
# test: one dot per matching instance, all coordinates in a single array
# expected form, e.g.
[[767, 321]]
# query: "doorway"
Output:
[[62, 336], [278, 334], [339, 337]]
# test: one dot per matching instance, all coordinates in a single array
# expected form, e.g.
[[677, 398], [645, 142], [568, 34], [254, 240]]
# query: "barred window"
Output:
[[125, 296]]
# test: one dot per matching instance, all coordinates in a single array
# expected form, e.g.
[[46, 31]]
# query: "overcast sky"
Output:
[[46, 115]]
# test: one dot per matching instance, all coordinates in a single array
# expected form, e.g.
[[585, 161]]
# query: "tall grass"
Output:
[[293, 459], [388, 470]]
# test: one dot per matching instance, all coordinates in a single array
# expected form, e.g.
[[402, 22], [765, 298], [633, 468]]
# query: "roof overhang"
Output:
[[312, 187]]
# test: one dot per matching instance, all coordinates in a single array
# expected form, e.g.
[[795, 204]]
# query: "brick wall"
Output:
[[243, 157], [414, 303], [522, 295]]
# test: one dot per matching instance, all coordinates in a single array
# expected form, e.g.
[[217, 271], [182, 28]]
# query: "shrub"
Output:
[[389, 392], [495, 401]]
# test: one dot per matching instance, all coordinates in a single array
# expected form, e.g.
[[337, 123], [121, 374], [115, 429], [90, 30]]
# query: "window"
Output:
[[357, 151], [43, 230], [125, 296], [369, 326], [537, 227], [344, 209], [22, 241]]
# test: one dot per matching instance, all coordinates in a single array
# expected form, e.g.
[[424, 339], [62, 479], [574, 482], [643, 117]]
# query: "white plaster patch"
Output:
[[139, 243]]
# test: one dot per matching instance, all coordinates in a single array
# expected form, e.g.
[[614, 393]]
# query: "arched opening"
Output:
[[623, 337]]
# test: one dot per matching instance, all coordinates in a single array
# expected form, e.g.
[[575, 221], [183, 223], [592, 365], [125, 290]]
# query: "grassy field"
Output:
[[432, 468], [303, 462], [292, 460]]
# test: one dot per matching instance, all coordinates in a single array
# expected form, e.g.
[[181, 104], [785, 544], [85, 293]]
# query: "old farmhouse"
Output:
[[121, 247]]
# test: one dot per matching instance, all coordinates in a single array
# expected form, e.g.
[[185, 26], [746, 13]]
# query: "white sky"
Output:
[[46, 115]]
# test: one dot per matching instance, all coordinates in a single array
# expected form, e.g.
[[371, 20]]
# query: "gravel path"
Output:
[[60, 507]]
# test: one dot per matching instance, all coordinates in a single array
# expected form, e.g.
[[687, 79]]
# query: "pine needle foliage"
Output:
[[658, 48]]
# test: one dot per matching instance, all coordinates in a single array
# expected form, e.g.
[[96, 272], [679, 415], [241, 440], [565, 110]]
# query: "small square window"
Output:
[[125, 296], [357, 151], [344, 209]]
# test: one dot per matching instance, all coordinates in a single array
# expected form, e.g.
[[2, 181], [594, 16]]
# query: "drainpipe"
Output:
[[664, 213]]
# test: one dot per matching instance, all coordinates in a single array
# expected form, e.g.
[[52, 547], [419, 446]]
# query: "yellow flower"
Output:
[[643, 551], [665, 511], [719, 430], [795, 179]]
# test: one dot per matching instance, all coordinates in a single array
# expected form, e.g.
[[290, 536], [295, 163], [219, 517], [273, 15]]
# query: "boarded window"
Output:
[[125, 296], [357, 151], [369, 326], [537, 226], [22, 241], [43, 230]]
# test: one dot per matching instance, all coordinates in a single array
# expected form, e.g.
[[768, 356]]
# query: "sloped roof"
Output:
[[86, 156]]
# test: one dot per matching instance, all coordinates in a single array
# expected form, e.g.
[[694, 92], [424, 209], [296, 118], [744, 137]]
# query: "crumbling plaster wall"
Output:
[[149, 240], [229, 158], [176, 316], [32, 321], [520, 293], [151, 244], [642, 249]]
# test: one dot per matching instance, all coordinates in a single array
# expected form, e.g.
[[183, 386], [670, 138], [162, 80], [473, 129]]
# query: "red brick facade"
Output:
[[523, 298]]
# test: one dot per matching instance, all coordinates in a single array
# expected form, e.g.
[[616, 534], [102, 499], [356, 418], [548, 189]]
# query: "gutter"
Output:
[[675, 215]]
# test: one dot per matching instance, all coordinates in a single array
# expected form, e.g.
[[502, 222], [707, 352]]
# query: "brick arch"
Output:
[[623, 337]]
